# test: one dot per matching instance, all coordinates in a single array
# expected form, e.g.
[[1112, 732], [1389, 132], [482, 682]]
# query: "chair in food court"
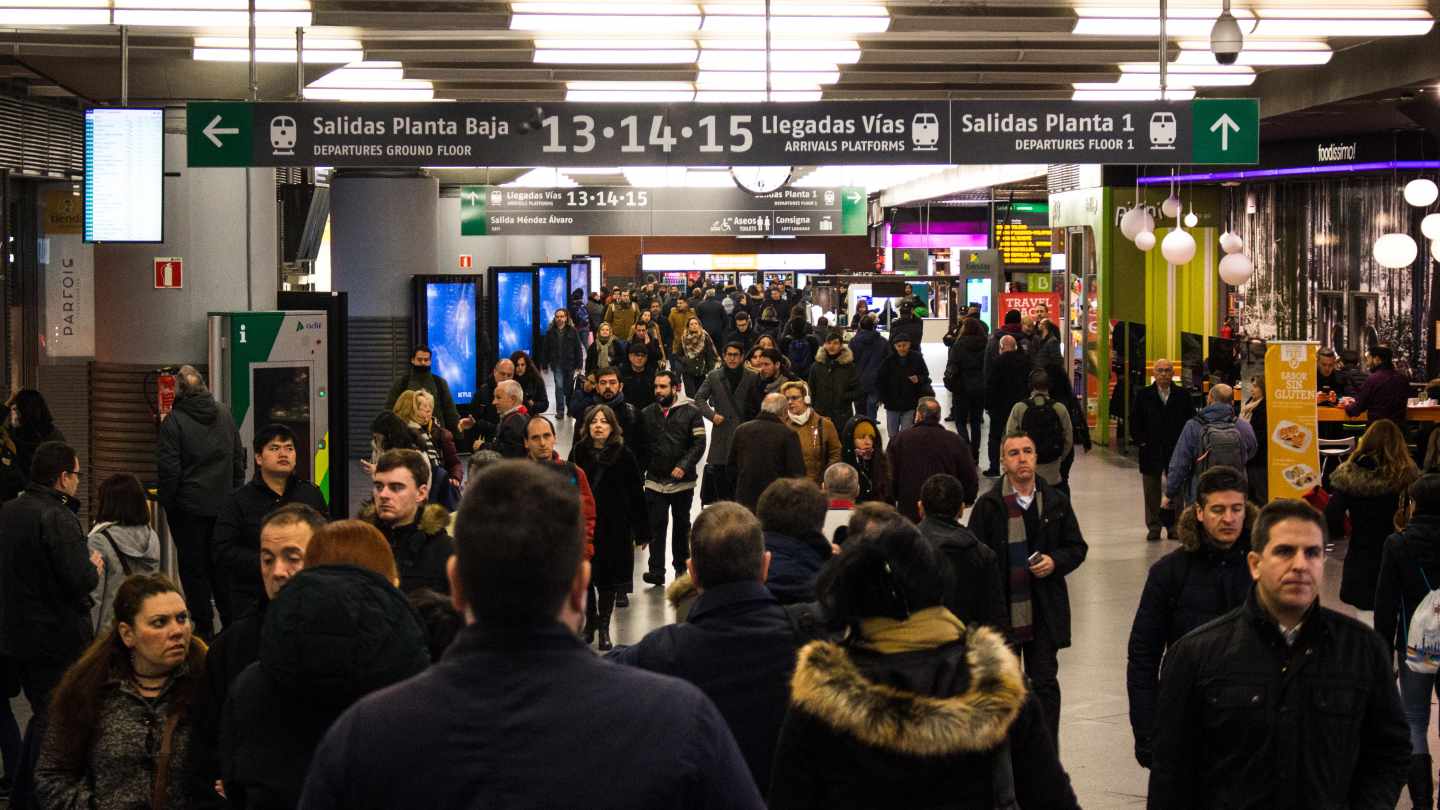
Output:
[[1333, 452]]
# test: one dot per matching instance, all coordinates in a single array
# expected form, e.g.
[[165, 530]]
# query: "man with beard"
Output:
[[419, 378], [725, 398]]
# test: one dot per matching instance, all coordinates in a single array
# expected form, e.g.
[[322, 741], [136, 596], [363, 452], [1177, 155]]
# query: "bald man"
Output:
[[1157, 417], [1231, 442], [1008, 382]]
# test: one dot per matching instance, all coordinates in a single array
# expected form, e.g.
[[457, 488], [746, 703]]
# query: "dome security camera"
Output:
[[1225, 38]]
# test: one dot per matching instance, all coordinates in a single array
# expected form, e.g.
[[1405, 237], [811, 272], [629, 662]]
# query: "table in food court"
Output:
[[1414, 413]]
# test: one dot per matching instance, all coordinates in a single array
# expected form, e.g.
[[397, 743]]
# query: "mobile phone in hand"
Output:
[[1033, 559]]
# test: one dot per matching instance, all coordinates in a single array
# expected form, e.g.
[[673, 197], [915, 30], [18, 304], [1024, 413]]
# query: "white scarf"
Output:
[[802, 418]]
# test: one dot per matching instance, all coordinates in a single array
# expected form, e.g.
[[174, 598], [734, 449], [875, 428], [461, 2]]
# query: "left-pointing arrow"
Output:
[[211, 130]]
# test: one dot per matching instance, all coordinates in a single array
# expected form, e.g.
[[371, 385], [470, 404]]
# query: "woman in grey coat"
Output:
[[727, 398], [126, 543]]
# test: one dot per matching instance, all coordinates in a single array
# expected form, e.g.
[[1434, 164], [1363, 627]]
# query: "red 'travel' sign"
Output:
[[169, 273], [1028, 303], [466, 262]]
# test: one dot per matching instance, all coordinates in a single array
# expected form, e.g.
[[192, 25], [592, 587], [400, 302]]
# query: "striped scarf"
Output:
[[1022, 619]]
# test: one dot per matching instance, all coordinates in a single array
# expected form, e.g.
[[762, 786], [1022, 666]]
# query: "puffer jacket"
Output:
[[916, 729], [126, 550], [1186, 588], [834, 384], [335, 634], [198, 457], [120, 771], [421, 548], [1359, 490]]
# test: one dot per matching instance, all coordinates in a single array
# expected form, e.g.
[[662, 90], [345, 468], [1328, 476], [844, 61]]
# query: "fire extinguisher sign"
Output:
[[169, 273]]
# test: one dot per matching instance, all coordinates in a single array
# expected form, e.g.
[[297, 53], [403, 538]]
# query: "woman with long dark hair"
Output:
[[912, 708], [125, 721], [536, 400], [388, 432], [123, 538], [965, 377], [621, 521], [31, 425], [1367, 489]]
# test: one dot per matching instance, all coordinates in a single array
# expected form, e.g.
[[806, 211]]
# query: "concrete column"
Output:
[[382, 233], [494, 251]]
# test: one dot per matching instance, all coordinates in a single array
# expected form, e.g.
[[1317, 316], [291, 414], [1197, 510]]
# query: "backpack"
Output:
[[1220, 444], [1422, 640], [801, 355], [1043, 425]]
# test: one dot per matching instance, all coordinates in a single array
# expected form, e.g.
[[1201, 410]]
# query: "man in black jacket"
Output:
[[519, 712], [488, 421], [1037, 543], [199, 461], [237, 527], [609, 391], [1205, 578], [1280, 703], [418, 377], [974, 595], [510, 429], [925, 450], [743, 332], [1158, 414], [675, 434], [1007, 381], [712, 317], [636, 378], [737, 643], [416, 531], [764, 450]]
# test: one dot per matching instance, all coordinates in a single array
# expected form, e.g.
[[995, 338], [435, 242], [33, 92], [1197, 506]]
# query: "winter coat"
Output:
[[622, 318], [911, 327], [1246, 721], [560, 350], [917, 729], [1156, 424], [896, 390], [1385, 394], [874, 473], [198, 456], [965, 369], [738, 645], [597, 313], [639, 386], [17, 476], [1059, 537], [800, 351], [795, 564], [621, 521], [528, 716], [605, 355], [1359, 490], [674, 439], [992, 344], [236, 548], [421, 548], [46, 578], [834, 384], [819, 444], [715, 397], [119, 773], [699, 365], [1188, 587], [1180, 479], [126, 550], [1050, 470], [632, 429], [712, 317], [237, 647], [1007, 382], [335, 634], [442, 443], [763, 451], [677, 321], [416, 380], [922, 451], [746, 339], [1409, 567], [536, 399], [510, 435], [870, 350], [973, 593]]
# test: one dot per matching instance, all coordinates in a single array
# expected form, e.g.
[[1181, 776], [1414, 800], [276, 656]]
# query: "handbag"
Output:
[[161, 785]]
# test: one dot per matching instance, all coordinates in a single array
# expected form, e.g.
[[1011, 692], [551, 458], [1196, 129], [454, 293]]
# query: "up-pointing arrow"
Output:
[[210, 131], [1226, 125]]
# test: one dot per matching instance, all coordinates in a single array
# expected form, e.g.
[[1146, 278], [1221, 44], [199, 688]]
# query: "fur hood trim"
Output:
[[844, 358], [1188, 527], [1362, 480], [433, 519], [680, 590], [829, 686]]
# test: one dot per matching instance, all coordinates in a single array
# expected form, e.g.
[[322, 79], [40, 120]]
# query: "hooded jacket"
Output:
[[870, 350], [834, 384], [1358, 489], [917, 729], [421, 548], [875, 472], [198, 456], [1180, 474], [795, 564], [335, 634], [126, 550], [1185, 589], [1409, 565]]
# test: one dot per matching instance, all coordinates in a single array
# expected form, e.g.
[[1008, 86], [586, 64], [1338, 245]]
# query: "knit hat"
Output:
[[863, 430]]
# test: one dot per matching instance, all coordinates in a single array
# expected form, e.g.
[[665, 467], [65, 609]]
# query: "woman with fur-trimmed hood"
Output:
[[913, 708], [1367, 489]]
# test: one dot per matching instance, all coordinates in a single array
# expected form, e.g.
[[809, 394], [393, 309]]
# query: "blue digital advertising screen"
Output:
[[514, 311], [977, 291], [554, 291], [580, 276], [450, 334]]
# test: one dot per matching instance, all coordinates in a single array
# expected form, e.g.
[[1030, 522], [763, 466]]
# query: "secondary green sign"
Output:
[[219, 133], [1225, 130]]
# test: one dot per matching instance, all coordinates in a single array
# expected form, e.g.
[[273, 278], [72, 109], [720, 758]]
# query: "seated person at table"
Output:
[[1385, 393]]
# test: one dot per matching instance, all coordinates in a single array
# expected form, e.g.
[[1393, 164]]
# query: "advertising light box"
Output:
[[513, 303], [554, 281], [125, 175], [447, 314]]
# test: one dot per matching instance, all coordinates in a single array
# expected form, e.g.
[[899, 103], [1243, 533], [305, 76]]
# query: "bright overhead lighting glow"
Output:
[[629, 95], [1262, 45], [587, 18], [635, 86], [542, 178], [782, 9], [713, 96], [179, 18], [1173, 94], [872, 178], [1255, 58], [678, 177], [755, 80], [367, 94], [54, 16], [615, 57], [1152, 81], [779, 60], [784, 44], [279, 43], [747, 24], [369, 81], [640, 44], [1269, 23], [1211, 67], [1342, 28], [271, 56]]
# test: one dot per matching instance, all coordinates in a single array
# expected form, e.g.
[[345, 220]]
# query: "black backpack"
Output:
[[1042, 423], [1220, 444]]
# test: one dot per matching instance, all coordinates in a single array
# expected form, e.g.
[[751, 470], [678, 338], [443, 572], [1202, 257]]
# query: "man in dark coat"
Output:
[[518, 693], [1007, 381], [1329, 378], [763, 450], [609, 391], [870, 350], [927, 449], [637, 378], [834, 380], [737, 643], [1032, 529], [676, 437], [418, 377], [1386, 392], [792, 511], [199, 461], [1159, 414], [725, 398], [417, 531], [743, 332], [1280, 703], [1205, 578], [712, 317], [237, 527], [974, 594], [487, 423], [512, 421]]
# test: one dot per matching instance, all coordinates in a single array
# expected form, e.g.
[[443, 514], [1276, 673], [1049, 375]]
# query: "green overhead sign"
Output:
[[1225, 130]]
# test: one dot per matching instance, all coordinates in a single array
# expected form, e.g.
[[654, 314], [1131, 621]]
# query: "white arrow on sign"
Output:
[[853, 197], [1226, 125], [210, 131]]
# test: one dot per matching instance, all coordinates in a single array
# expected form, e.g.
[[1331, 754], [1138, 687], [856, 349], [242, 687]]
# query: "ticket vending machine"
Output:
[[273, 368]]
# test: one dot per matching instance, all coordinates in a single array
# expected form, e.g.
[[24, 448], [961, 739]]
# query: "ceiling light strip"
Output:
[[1292, 171]]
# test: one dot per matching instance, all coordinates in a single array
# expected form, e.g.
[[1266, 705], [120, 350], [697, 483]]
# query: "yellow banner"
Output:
[[1294, 458]]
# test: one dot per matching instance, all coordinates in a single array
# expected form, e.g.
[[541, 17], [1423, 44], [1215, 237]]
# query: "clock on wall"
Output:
[[761, 179]]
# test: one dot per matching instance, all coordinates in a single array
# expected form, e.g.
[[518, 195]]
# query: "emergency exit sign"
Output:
[[169, 273]]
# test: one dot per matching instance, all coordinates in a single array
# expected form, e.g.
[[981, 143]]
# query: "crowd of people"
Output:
[[864, 618]]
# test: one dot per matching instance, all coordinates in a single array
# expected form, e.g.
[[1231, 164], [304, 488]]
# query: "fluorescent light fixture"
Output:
[[678, 177], [872, 178], [755, 80], [779, 60], [784, 44], [1151, 81], [637, 44], [367, 94], [1260, 174], [629, 95], [782, 9], [1296, 27], [279, 43], [592, 18], [1172, 94], [615, 57], [55, 16], [277, 50], [746, 24], [715, 96], [1195, 22], [369, 81], [363, 74], [635, 86], [180, 18], [1211, 67], [542, 178], [1255, 55]]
